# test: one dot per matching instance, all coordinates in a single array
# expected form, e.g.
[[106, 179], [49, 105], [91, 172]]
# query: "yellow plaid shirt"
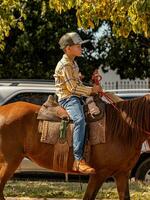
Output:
[[67, 80]]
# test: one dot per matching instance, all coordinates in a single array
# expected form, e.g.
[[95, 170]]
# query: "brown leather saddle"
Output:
[[60, 135], [94, 109], [51, 111], [56, 128]]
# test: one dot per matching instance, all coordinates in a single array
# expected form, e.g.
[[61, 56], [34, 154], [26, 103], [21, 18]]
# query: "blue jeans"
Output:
[[75, 110]]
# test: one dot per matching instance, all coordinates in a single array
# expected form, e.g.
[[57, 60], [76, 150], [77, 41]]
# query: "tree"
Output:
[[34, 52], [130, 57], [11, 15], [125, 15]]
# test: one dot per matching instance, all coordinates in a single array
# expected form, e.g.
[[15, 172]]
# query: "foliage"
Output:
[[126, 15], [130, 57], [34, 52], [11, 15]]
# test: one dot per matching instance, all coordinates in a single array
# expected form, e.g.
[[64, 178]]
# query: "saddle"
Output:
[[51, 111], [56, 128]]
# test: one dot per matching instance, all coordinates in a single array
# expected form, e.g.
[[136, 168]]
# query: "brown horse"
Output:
[[125, 132]]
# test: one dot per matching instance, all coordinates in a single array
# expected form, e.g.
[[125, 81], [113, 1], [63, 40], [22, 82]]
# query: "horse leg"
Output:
[[94, 184], [122, 181], [7, 168]]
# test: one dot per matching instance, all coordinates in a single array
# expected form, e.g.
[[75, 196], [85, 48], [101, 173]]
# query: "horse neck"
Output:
[[129, 125]]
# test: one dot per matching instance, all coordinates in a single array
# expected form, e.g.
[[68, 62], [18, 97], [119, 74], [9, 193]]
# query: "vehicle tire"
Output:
[[143, 171]]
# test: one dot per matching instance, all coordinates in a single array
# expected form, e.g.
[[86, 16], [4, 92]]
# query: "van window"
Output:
[[31, 97]]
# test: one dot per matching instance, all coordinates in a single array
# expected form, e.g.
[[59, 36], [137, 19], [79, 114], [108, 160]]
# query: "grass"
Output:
[[46, 189]]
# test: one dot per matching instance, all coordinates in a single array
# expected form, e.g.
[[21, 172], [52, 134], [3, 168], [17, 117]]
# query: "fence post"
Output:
[[116, 84]]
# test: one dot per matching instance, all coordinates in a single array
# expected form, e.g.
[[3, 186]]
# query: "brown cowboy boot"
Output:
[[82, 167]]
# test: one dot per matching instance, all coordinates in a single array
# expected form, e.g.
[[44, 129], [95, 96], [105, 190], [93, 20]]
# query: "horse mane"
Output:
[[132, 119]]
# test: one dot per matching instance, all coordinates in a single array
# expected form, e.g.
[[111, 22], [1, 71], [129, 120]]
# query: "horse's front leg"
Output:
[[122, 181], [94, 184]]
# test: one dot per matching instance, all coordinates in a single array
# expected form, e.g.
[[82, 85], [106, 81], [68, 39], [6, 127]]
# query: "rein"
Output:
[[109, 99], [96, 78]]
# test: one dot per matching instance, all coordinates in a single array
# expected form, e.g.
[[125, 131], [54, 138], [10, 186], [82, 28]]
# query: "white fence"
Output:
[[141, 84]]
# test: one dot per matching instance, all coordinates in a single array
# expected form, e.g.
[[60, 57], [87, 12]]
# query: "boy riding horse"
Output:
[[70, 90]]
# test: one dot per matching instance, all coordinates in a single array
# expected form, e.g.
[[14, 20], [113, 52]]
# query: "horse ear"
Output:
[[146, 97]]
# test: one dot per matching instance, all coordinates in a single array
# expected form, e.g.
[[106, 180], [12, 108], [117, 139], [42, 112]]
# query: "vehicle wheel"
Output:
[[143, 171]]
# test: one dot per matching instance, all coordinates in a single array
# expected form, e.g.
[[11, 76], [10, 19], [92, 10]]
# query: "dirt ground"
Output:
[[27, 198]]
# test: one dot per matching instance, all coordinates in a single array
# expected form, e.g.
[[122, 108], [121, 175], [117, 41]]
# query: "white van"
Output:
[[37, 91]]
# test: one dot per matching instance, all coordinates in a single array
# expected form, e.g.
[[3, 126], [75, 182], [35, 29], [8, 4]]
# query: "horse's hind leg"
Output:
[[7, 169], [122, 181]]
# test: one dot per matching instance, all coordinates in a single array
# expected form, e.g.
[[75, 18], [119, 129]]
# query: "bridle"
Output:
[[96, 80]]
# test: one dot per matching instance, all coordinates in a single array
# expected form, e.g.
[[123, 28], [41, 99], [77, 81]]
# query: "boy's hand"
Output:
[[96, 89]]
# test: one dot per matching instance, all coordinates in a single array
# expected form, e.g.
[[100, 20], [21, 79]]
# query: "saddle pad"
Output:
[[50, 132], [97, 132]]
